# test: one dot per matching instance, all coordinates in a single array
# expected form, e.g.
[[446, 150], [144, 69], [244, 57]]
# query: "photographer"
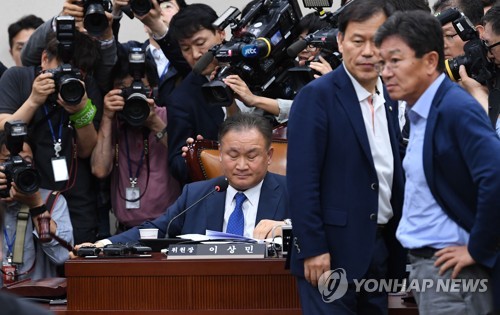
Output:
[[486, 93], [63, 134], [280, 108], [97, 71], [155, 20], [454, 45], [39, 258], [490, 34], [141, 184], [168, 75], [189, 113], [311, 55]]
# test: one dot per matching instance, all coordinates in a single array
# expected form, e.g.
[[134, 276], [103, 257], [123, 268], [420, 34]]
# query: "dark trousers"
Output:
[[369, 303]]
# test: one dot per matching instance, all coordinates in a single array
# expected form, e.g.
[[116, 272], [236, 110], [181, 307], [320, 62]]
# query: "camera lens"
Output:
[[141, 7], [71, 90], [136, 110], [95, 21], [452, 66], [217, 93], [27, 179]]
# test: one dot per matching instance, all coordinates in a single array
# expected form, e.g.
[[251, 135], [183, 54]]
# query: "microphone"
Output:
[[220, 185], [203, 62], [295, 48]]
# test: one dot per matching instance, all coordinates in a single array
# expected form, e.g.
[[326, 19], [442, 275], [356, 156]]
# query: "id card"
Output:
[[132, 193], [9, 273], [60, 169]]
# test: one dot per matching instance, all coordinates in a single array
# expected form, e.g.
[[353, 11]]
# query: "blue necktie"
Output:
[[236, 222]]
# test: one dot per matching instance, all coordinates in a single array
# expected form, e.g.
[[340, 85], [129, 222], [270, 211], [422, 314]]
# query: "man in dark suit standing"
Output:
[[245, 153], [452, 201], [344, 173]]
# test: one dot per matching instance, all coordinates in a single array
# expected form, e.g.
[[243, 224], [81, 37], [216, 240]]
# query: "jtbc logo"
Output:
[[250, 51]]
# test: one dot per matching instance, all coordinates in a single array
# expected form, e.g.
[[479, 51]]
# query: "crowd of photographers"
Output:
[[108, 121]]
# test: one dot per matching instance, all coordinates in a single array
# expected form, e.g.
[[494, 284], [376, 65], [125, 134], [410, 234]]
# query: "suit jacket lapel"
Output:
[[215, 211], [428, 150], [269, 199], [390, 113], [349, 101]]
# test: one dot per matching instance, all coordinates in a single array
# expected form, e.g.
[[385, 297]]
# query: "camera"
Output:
[[475, 54], [125, 250], [256, 52], [141, 7], [66, 78], [136, 109], [85, 251], [68, 84], [16, 169], [95, 20], [324, 39]]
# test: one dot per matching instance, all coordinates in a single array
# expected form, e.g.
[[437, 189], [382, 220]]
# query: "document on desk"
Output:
[[216, 235]]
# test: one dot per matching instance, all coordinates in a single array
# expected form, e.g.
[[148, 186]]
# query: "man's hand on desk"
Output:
[[98, 244], [265, 227]]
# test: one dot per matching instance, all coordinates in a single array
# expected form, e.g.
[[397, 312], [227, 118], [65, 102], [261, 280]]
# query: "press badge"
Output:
[[132, 195], [9, 273], [60, 169]]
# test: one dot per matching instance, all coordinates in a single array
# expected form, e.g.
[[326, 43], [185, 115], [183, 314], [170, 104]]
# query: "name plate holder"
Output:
[[217, 251]]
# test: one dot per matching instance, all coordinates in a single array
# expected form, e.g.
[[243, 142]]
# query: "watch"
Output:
[[160, 134]]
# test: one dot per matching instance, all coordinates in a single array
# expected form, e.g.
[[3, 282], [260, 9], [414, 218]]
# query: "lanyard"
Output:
[[133, 180], [57, 143], [10, 243]]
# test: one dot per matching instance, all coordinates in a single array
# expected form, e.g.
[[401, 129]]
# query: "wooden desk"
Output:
[[184, 287], [158, 286]]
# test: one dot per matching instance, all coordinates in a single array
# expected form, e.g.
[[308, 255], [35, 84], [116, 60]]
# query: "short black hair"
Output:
[[421, 31], [25, 23], [408, 5], [473, 9], [246, 121], [191, 19], [310, 23], [492, 17], [87, 52], [122, 68], [362, 10]]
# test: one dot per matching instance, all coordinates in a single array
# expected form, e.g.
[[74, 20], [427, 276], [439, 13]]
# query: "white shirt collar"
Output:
[[252, 194], [363, 94]]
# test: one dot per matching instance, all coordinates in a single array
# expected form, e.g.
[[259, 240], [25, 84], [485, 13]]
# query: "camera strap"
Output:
[[51, 199], [144, 155], [22, 223]]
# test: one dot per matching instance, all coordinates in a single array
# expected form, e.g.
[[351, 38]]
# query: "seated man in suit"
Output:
[[254, 203]]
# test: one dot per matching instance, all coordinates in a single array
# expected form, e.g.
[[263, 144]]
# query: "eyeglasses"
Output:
[[311, 48], [450, 37], [490, 47], [391, 65]]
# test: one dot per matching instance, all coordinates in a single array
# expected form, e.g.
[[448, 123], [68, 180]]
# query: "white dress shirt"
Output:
[[375, 119], [250, 206]]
